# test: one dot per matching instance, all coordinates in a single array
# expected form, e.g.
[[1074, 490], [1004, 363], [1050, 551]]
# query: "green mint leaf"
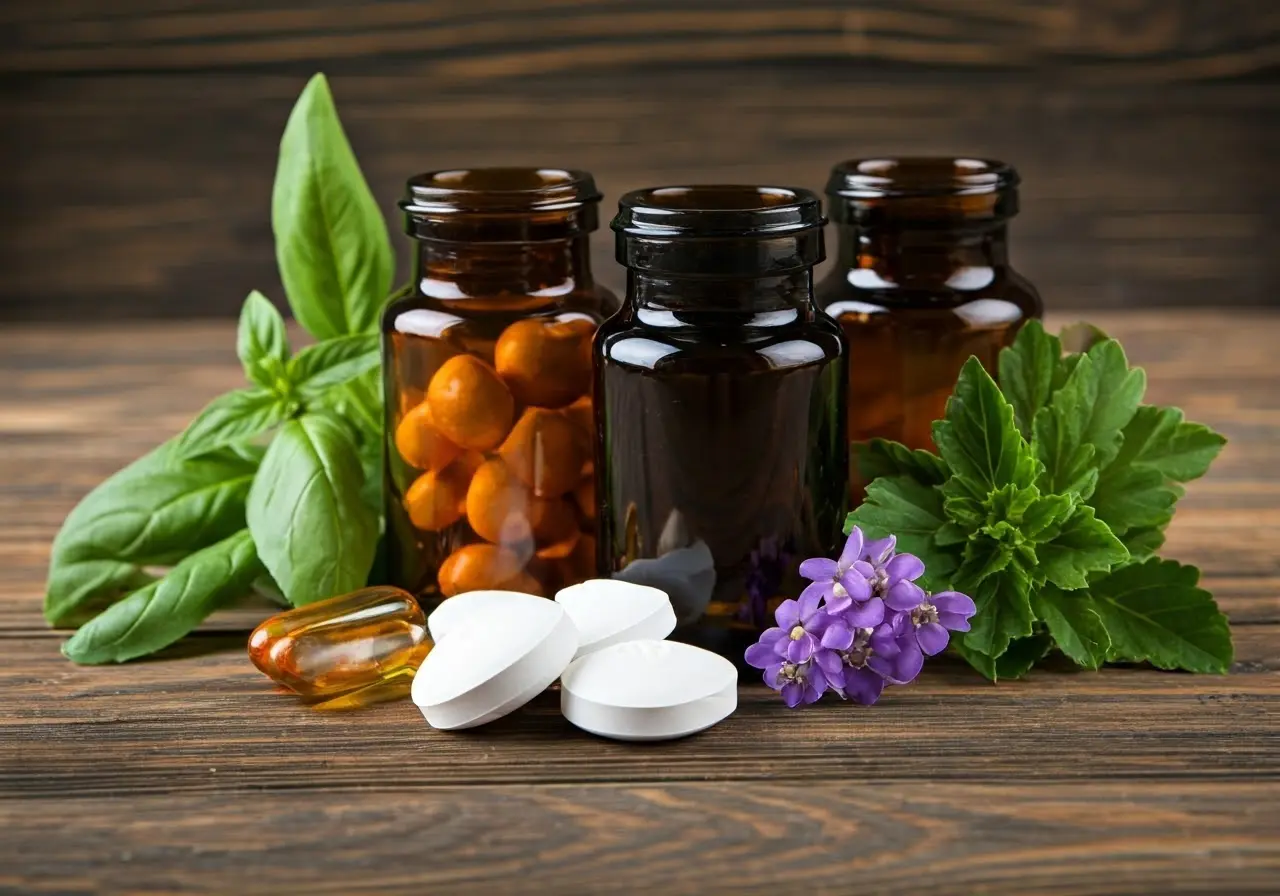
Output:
[[333, 362], [1154, 612], [1004, 609], [1159, 438], [314, 531], [1134, 497], [1143, 542], [232, 417], [1040, 522], [881, 457], [151, 513], [1082, 545], [1075, 625], [983, 557], [1015, 662], [164, 611], [1026, 372], [332, 246], [978, 438], [1068, 463], [261, 342], [912, 511]]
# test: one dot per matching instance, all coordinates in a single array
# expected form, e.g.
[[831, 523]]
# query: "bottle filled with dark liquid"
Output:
[[487, 375], [922, 282], [721, 459]]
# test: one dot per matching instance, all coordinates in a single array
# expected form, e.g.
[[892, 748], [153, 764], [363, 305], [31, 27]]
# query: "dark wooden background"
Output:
[[138, 137]]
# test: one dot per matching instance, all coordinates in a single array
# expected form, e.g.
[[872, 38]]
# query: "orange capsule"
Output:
[[363, 646], [421, 444], [555, 527], [477, 567], [546, 361], [545, 451], [469, 403], [526, 583], [582, 415], [498, 504], [434, 501]]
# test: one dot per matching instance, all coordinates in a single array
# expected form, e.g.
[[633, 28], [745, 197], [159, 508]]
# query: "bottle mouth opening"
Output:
[[496, 190], [717, 210], [919, 176]]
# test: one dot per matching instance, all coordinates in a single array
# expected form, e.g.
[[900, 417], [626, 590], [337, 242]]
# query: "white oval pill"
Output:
[[490, 664], [648, 690], [608, 612]]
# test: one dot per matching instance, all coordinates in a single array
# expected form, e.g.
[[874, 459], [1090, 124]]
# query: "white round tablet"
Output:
[[648, 690], [453, 610], [489, 664], [608, 611]]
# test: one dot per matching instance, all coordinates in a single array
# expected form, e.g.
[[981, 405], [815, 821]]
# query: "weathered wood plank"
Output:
[[1127, 199], [1158, 38], [926, 836]]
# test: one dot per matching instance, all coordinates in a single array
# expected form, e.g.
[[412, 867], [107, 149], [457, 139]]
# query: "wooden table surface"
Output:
[[192, 773]]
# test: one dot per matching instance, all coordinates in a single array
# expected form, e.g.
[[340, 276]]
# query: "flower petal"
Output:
[[815, 681], [954, 602], [885, 641], [867, 614], [772, 636], [852, 550], [762, 656], [863, 686], [864, 569], [878, 551], [822, 590], [954, 622], [856, 585], [902, 668], [904, 595], [932, 638], [838, 636], [792, 693], [904, 566], [773, 676], [830, 663], [809, 601], [820, 569], [801, 648], [787, 614]]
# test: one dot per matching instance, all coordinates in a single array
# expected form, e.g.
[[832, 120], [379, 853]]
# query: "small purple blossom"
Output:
[[860, 625]]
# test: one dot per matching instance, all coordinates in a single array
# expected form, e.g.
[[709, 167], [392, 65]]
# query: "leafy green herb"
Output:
[[1047, 496], [331, 240], [314, 532], [311, 498], [159, 614]]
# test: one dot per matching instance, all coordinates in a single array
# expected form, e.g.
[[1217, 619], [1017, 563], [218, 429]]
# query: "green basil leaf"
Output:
[[911, 511], [1154, 612], [881, 457], [314, 532], [332, 246], [261, 342], [1015, 662], [1134, 497], [164, 611], [333, 362], [152, 513], [232, 417], [1004, 612], [359, 402], [1083, 545], [1075, 625], [1026, 372], [978, 438]]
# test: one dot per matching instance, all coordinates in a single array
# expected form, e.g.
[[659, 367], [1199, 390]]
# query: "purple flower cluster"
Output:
[[862, 623]]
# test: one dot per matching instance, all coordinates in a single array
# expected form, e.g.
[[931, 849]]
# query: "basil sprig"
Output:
[[276, 483], [1046, 500]]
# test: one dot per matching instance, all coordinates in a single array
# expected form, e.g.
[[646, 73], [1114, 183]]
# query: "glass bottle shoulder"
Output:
[[974, 297]]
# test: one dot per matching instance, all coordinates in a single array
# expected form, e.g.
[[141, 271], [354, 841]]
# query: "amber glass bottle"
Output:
[[921, 283], [721, 456], [487, 366]]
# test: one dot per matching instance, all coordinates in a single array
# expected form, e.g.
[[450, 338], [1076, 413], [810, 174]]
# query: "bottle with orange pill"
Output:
[[488, 378], [347, 651]]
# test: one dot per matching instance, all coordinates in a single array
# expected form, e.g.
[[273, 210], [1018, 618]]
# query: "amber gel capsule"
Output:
[[351, 650]]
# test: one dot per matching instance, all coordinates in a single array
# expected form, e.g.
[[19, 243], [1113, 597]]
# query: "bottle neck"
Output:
[[446, 270], [922, 257], [693, 295]]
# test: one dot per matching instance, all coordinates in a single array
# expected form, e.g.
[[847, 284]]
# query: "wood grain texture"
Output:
[[191, 772], [886, 837], [1152, 38]]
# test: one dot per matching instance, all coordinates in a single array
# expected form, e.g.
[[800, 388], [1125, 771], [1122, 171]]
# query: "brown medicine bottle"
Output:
[[721, 460], [487, 368], [922, 282]]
